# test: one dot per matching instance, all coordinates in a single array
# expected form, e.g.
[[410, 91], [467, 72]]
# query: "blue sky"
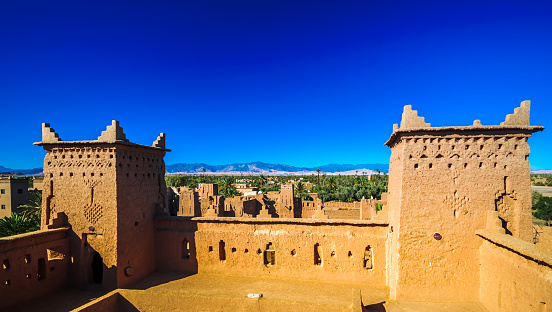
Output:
[[303, 83]]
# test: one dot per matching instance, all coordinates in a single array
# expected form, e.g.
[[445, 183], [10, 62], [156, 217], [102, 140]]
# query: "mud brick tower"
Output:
[[108, 191], [442, 183]]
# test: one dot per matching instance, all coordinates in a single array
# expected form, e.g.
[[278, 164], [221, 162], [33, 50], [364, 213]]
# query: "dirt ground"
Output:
[[181, 286]]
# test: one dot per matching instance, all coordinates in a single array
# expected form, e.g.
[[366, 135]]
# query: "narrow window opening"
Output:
[[210, 248], [368, 258], [27, 258], [293, 252], [350, 254], [317, 254], [233, 248], [222, 251], [270, 255], [41, 269], [415, 165], [6, 264], [185, 249], [430, 166]]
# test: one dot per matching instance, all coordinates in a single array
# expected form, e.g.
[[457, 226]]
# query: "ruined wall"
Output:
[[240, 206], [514, 275], [32, 265], [207, 190], [331, 250], [188, 203], [309, 207], [351, 214], [337, 205]]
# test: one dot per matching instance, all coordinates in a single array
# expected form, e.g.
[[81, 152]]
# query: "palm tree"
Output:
[[34, 206], [262, 180], [19, 223], [331, 185], [299, 187], [318, 171]]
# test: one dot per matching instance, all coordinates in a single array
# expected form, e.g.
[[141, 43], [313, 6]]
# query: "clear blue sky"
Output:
[[303, 83]]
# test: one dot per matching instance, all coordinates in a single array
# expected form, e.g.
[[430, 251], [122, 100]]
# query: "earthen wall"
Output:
[[346, 251], [514, 275], [353, 214], [32, 265]]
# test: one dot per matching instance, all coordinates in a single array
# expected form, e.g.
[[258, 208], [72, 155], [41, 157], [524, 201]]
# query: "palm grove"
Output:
[[329, 188]]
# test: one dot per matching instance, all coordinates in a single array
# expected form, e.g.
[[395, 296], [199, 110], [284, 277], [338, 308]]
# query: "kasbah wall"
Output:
[[455, 226]]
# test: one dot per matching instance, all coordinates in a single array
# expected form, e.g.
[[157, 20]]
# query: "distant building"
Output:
[[13, 192]]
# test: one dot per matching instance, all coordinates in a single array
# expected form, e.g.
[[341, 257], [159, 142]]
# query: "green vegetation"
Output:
[[27, 220], [543, 209], [19, 223], [329, 188], [350, 188], [541, 179]]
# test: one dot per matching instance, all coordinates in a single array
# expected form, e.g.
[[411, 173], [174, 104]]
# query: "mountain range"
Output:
[[253, 168], [10, 171], [273, 169]]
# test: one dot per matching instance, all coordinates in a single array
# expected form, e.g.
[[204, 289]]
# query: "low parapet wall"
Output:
[[352, 251], [33, 264], [353, 214], [514, 275]]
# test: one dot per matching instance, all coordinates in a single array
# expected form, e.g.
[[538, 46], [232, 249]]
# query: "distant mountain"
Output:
[[34, 171], [274, 169], [541, 171]]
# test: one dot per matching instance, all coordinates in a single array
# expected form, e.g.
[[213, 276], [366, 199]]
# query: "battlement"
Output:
[[411, 122], [112, 134]]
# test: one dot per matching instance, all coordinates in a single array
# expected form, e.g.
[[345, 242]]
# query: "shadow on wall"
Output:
[[123, 305], [376, 307]]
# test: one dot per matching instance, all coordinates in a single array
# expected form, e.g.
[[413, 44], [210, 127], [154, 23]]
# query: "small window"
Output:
[[2, 191], [317, 254], [41, 269], [3, 206]]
